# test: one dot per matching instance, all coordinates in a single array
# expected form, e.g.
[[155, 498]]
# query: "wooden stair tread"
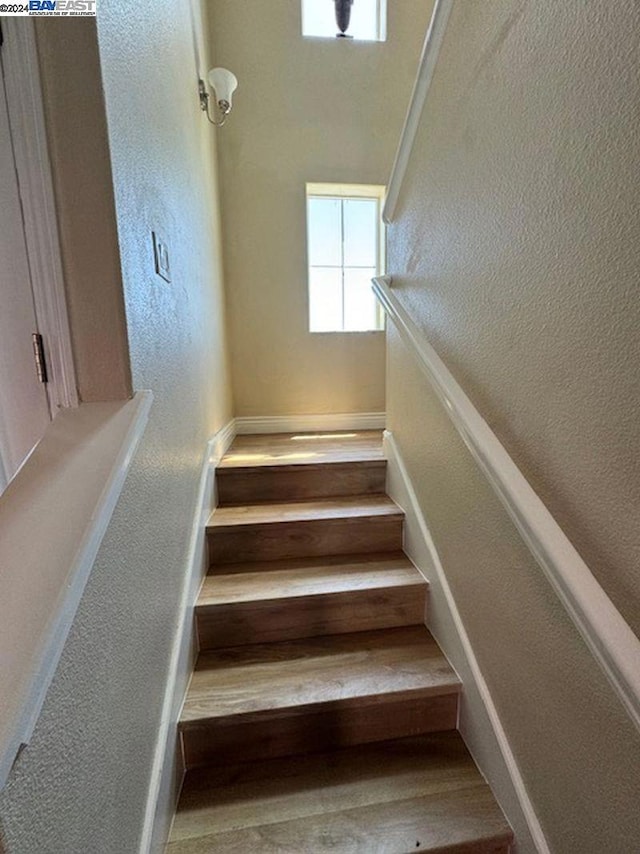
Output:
[[300, 674], [354, 776], [462, 822], [303, 449], [263, 602], [311, 577], [283, 464], [396, 793], [274, 512], [313, 562], [248, 484]]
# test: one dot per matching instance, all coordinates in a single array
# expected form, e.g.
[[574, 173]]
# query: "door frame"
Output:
[[25, 105]]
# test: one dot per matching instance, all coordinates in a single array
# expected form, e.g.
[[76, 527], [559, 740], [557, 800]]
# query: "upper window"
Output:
[[345, 249], [368, 19]]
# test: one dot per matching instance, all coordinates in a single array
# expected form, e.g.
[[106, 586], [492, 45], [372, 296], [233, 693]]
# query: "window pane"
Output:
[[325, 300], [364, 20], [360, 232], [324, 232], [359, 302], [318, 18]]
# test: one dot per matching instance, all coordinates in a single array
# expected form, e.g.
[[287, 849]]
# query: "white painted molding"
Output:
[[310, 423], [164, 782], [222, 441], [426, 67], [609, 638], [53, 516], [445, 623], [28, 130]]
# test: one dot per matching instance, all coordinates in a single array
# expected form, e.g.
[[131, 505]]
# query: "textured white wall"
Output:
[[81, 785], [305, 110], [574, 744], [516, 250]]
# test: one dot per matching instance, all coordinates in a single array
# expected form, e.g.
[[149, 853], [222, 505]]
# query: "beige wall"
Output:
[[516, 250], [79, 148], [574, 744], [82, 783], [305, 110]]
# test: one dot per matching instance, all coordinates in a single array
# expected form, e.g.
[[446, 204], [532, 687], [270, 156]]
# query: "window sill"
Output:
[[53, 516]]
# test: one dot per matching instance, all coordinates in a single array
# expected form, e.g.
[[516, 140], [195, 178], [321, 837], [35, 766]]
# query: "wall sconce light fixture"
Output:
[[224, 83]]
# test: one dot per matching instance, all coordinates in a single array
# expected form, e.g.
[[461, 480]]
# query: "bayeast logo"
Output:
[[62, 8]]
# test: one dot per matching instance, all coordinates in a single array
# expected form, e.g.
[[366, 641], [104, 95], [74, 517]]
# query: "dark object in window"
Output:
[[343, 16]]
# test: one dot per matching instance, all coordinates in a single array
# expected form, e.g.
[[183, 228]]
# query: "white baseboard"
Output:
[[310, 423], [166, 776], [479, 722], [221, 441]]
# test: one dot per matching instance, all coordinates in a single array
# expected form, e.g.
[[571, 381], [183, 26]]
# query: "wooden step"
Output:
[[305, 448], [276, 531], [414, 794], [289, 467], [292, 482], [283, 600], [304, 695]]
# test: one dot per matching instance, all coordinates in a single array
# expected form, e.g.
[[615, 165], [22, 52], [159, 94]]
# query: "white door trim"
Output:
[[28, 129]]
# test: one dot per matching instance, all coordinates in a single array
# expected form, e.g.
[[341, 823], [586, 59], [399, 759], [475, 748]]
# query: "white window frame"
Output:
[[381, 24], [373, 192]]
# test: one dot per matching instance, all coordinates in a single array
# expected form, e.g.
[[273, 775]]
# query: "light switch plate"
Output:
[[161, 257]]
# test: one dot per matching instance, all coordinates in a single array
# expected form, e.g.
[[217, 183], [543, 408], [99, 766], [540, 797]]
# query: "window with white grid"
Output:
[[345, 250]]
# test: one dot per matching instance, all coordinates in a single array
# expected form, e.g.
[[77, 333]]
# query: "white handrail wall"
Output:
[[609, 638], [53, 516], [426, 67]]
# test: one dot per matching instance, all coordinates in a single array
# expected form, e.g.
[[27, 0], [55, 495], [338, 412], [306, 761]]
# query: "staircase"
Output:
[[321, 715]]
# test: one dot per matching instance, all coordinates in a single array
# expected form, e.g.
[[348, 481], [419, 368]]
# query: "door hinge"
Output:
[[38, 354]]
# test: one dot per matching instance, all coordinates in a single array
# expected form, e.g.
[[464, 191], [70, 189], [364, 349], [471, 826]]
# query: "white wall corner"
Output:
[[166, 772], [479, 722]]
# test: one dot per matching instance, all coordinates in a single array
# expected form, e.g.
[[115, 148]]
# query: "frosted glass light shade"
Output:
[[224, 82]]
